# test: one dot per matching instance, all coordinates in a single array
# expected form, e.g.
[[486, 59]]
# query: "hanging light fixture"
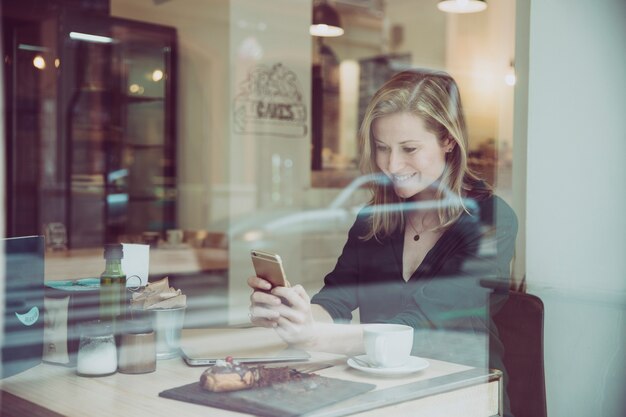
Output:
[[510, 78], [462, 6], [326, 21]]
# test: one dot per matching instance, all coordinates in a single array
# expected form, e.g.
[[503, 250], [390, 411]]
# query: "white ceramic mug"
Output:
[[388, 345], [174, 236]]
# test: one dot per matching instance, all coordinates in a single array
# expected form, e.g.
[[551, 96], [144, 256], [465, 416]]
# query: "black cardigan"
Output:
[[443, 292]]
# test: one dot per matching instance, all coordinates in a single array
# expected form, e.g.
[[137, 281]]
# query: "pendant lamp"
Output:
[[462, 6], [326, 21]]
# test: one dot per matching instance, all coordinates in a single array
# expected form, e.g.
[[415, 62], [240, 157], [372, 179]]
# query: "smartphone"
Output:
[[269, 267]]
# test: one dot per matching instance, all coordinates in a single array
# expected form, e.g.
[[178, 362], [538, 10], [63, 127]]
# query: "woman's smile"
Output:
[[407, 153], [402, 178]]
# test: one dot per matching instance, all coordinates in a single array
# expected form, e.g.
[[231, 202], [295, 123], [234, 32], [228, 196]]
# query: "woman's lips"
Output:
[[402, 178]]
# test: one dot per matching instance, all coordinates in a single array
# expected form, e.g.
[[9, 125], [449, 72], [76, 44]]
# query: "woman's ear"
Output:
[[448, 144]]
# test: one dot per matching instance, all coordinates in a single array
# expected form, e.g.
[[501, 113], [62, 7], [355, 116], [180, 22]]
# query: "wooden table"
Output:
[[443, 389]]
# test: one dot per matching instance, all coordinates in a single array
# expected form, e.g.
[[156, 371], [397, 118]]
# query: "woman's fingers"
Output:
[[291, 314], [259, 283], [299, 289], [258, 311], [287, 330], [260, 302], [288, 310], [262, 322], [262, 297], [293, 296], [295, 322], [293, 333], [296, 306]]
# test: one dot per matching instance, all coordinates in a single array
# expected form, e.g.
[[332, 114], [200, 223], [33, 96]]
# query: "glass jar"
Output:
[[137, 352], [97, 353]]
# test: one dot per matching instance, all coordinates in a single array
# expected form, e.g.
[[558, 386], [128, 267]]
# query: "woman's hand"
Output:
[[298, 322], [288, 310], [263, 304], [295, 323]]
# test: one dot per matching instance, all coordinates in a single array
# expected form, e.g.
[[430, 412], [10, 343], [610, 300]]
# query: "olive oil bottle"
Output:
[[113, 286]]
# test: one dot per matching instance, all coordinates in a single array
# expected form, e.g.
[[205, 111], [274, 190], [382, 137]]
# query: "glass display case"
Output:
[[103, 160]]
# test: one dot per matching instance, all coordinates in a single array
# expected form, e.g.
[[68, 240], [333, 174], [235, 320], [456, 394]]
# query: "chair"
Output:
[[518, 318]]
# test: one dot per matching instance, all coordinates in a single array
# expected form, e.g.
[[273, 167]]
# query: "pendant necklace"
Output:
[[416, 237]]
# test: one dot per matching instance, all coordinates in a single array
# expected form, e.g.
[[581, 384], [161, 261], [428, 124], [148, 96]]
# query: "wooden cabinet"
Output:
[[101, 158]]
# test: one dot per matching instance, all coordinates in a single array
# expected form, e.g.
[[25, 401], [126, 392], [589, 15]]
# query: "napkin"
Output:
[[158, 295]]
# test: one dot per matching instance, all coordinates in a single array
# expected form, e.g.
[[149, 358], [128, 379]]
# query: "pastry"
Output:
[[228, 375], [269, 376]]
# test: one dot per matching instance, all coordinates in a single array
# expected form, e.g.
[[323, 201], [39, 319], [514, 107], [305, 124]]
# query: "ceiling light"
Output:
[[90, 38], [26, 47], [326, 21], [462, 6], [510, 78], [157, 75], [39, 62]]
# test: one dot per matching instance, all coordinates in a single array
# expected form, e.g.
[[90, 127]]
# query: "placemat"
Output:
[[294, 398]]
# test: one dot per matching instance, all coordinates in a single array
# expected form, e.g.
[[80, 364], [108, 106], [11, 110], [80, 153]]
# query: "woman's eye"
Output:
[[409, 150], [381, 148]]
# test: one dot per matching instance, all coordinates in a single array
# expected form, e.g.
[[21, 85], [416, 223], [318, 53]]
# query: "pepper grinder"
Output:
[[137, 351]]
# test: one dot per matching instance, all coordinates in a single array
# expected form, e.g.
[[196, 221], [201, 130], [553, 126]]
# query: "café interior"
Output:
[[196, 131]]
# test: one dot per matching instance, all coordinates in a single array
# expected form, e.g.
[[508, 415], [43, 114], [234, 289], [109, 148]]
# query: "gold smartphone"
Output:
[[269, 266]]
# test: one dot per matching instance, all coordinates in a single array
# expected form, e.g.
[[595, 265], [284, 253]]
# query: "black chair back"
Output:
[[518, 318]]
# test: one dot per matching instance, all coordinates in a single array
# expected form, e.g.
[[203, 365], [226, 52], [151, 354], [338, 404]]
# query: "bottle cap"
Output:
[[113, 251]]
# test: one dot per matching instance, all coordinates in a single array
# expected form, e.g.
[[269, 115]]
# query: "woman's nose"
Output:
[[396, 162]]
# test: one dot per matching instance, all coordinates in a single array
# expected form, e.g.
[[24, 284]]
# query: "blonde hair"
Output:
[[434, 97]]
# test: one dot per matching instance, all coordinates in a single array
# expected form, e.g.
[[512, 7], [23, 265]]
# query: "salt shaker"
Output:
[[97, 353]]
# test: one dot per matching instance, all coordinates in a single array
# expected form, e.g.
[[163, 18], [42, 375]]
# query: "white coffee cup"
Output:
[[388, 345]]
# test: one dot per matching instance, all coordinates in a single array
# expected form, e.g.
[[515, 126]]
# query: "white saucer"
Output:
[[415, 364]]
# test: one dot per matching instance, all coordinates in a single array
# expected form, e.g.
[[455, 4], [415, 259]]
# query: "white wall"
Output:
[[576, 179], [272, 156], [423, 30], [479, 49]]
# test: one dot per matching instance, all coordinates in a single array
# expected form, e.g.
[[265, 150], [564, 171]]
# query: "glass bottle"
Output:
[[113, 286]]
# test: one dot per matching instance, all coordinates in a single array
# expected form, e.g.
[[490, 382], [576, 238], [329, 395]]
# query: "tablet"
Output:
[[202, 347]]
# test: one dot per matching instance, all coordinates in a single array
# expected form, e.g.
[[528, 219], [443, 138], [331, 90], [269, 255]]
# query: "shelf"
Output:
[[125, 97], [114, 150], [90, 128], [149, 199], [146, 146], [94, 89], [142, 99], [95, 138]]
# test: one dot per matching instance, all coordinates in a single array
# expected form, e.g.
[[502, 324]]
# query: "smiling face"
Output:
[[408, 154]]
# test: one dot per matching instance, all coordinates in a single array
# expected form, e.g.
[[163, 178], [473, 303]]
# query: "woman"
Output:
[[417, 251]]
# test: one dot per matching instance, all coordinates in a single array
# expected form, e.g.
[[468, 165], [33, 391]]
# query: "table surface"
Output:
[[469, 392], [87, 263]]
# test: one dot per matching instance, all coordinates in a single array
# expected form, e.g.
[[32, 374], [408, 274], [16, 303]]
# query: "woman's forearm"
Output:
[[346, 339]]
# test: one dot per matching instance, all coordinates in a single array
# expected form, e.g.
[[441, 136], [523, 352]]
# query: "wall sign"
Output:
[[270, 102]]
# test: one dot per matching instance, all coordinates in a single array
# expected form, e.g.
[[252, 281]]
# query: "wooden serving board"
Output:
[[294, 398]]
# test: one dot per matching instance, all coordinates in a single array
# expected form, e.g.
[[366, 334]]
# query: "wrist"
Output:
[[309, 340]]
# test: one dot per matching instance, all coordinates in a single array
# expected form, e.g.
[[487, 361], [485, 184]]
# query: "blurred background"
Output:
[[207, 128]]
